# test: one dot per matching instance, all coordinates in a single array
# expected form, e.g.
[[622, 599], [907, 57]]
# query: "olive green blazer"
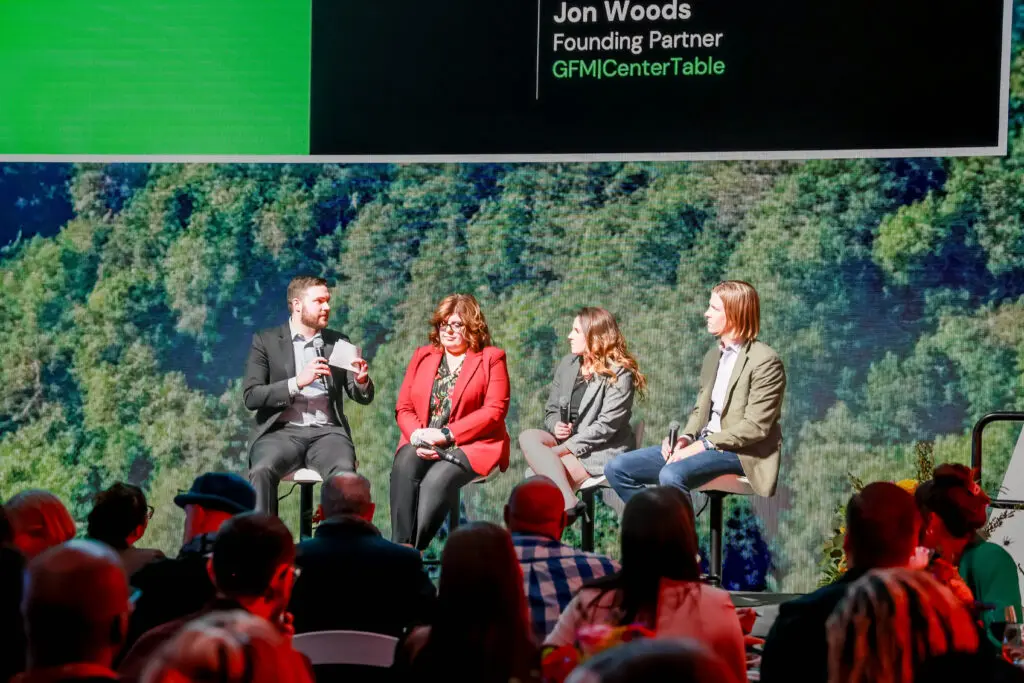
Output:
[[750, 420]]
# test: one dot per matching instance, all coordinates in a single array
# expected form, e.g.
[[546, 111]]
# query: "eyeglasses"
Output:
[[149, 511], [456, 327]]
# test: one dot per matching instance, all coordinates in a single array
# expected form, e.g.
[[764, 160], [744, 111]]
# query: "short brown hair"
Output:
[[742, 308], [300, 283], [882, 525], [477, 334]]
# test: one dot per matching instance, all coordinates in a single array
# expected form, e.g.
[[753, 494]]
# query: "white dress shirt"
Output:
[[726, 363], [310, 404]]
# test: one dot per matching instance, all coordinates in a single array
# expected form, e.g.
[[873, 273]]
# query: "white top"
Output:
[[725, 365], [686, 609], [310, 404]]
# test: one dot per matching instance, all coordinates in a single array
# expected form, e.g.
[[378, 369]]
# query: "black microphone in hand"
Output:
[[447, 455], [673, 435], [318, 348], [563, 409]]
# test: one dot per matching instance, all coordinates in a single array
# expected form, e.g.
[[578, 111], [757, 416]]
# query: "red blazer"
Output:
[[479, 404]]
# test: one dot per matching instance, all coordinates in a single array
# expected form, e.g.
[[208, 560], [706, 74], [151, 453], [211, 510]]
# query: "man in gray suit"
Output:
[[300, 421]]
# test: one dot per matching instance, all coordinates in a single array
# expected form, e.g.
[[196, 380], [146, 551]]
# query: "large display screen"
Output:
[[464, 80]]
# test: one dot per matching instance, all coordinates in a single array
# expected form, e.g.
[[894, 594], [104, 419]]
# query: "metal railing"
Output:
[[976, 459]]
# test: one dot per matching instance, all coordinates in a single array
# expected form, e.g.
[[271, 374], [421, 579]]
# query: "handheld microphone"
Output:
[[449, 456], [318, 348], [673, 435], [563, 408]]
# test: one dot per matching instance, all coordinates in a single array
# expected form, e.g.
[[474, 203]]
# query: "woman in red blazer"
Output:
[[451, 412]]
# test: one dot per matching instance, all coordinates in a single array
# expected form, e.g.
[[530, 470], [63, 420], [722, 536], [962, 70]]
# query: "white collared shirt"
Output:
[[310, 404], [726, 363]]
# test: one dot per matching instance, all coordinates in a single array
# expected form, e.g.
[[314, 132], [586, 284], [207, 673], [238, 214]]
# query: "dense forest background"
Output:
[[893, 289]]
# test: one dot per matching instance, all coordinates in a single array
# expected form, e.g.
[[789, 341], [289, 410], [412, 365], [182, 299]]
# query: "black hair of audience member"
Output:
[[882, 526], [6, 530], [117, 515], [653, 661], [658, 540], [481, 622], [75, 605], [958, 667], [955, 497], [248, 552], [12, 628]]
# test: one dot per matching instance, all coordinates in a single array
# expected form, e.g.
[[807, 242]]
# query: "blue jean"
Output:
[[631, 472]]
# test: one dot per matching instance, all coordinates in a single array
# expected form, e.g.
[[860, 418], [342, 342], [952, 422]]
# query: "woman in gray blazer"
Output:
[[587, 415]]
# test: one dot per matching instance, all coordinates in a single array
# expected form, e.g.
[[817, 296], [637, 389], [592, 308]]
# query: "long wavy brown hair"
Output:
[[606, 346], [477, 334], [482, 618]]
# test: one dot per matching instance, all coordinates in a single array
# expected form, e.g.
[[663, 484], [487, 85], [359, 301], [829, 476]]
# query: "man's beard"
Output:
[[311, 320]]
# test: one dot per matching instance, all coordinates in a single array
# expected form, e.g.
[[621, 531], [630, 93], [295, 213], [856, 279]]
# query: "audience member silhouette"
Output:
[[119, 518], [252, 568], [76, 613], [353, 578], [481, 625]]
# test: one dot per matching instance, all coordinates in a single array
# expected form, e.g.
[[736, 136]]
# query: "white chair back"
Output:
[[347, 647]]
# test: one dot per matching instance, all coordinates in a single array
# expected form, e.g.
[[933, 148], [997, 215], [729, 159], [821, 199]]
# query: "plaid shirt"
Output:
[[552, 573]]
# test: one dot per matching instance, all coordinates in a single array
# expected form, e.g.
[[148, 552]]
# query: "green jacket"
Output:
[[750, 419], [991, 574]]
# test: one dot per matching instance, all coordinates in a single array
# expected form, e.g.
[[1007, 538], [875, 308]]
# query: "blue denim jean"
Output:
[[631, 472]]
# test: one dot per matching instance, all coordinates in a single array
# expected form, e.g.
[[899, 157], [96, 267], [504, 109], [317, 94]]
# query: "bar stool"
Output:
[[716, 490], [305, 479], [588, 493], [454, 512]]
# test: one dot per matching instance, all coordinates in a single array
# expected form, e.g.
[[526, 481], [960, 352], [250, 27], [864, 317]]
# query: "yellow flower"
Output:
[[908, 485]]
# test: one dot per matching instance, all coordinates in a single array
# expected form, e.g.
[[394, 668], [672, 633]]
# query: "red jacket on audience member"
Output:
[[479, 404]]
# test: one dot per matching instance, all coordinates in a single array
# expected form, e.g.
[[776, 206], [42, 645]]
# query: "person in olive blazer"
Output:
[[586, 418], [733, 427]]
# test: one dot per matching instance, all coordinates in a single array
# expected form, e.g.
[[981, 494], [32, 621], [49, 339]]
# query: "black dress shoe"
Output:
[[576, 512]]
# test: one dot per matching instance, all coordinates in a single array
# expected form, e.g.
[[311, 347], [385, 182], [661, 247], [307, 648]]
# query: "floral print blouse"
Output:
[[441, 394]]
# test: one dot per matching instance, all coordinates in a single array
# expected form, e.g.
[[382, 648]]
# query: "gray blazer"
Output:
[[602, 430]]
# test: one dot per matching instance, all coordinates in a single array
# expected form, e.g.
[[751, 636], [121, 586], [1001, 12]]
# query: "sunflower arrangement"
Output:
[[833, 558]]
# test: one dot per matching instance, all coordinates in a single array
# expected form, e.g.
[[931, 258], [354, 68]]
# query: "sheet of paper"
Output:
[[343, 354]]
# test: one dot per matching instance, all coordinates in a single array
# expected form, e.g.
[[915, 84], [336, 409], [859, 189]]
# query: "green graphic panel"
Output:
[[183, 77]]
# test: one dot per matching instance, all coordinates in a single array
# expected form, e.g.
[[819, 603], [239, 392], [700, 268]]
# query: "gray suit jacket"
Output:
[[602, 430]]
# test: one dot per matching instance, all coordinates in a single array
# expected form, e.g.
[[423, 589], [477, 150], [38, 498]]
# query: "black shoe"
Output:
[[576, 512]]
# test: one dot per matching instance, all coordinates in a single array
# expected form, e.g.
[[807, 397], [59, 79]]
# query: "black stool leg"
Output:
[[454, 511], [587, 531], [715, 566], [305, 511]]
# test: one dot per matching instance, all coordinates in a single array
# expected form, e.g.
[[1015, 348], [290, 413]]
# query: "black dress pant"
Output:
[[327, 449], [421, 494]]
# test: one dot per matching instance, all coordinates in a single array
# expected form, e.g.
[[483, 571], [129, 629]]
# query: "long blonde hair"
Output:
[[606, 346]]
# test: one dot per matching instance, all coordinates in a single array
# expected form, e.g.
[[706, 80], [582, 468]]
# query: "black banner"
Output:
[[512, 77]]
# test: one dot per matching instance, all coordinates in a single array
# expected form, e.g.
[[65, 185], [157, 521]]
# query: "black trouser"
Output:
[[421, 494], [284, 449]]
